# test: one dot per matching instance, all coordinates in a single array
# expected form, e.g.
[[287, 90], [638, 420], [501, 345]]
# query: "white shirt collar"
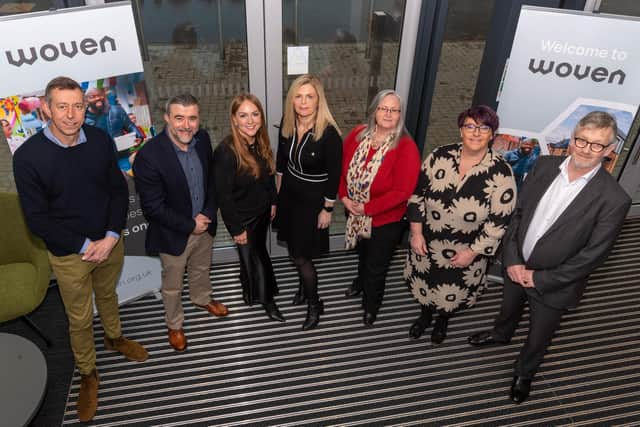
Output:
[[564, 171]]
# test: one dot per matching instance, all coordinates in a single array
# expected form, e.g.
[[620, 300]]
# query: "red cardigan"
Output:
[[394, 183]]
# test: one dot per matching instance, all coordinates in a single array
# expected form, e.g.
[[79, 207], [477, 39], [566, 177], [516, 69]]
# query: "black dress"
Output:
[[310, 172], [245, 204]]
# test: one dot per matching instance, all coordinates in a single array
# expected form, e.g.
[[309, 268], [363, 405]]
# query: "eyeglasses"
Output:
[[472, 128], [593, 146], [389, 110]]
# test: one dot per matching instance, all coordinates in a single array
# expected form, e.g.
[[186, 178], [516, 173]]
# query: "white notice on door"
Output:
[[297, 60]]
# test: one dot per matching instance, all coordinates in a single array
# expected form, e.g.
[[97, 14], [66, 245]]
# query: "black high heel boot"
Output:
[[272, 311], [421, 323], [299, 297], [313, 315]]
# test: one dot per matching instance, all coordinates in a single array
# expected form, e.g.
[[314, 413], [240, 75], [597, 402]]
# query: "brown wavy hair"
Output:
[[246, 162]]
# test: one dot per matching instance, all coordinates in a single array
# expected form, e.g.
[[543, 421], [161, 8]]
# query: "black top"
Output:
[[241, 196], [313, 161], [70, 194]]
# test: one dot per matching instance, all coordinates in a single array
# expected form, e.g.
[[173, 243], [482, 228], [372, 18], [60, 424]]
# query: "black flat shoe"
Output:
[[368, 319], [520, 389], [313, 315], [483, 338], [272, 311], [418, 327], [439, 330]]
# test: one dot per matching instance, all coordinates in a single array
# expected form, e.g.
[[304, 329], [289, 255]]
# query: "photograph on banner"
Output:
[[558, 134], [21, 117], [556, 75], [101, 51], [520, 150], [118, 105]]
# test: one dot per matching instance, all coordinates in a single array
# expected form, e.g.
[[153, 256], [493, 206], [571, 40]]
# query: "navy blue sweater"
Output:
[[69, 194]]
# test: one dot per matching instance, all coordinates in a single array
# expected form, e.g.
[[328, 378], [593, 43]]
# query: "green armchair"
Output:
[[24, 265]]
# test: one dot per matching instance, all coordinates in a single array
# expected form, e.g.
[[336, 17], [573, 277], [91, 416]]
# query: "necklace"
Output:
[[378, 141]]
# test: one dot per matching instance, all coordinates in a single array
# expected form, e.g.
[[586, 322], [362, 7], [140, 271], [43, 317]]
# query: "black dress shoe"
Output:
[[313, 315], [483, 338], [272, 311], [520, 388], [368, 319], [352, 291], [439, 330], [418, 327]]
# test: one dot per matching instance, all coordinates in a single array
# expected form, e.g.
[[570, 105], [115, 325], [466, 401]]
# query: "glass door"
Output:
[[200, 48], [356, 48], [219, 48]]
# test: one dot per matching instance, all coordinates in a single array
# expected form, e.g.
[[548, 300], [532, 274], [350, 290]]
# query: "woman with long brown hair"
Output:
[[244, 171]]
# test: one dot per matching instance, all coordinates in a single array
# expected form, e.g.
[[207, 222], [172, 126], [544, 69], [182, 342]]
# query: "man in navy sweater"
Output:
[[75, 198]]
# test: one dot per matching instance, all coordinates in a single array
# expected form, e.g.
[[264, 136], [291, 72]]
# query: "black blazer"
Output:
[[164, 193], [576, 244]]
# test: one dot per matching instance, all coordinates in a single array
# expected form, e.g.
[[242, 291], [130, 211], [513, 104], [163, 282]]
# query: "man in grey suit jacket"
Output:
[[568, 217]]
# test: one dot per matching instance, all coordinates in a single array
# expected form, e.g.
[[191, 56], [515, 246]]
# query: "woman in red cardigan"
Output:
[[380, 167]]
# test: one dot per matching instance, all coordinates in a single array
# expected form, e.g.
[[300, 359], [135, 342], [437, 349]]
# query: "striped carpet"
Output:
[[246, 370]]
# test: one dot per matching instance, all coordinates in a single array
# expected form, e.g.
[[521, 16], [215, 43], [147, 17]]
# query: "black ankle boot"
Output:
[[299, 297], [421, 323], [313, 315], [354, 289], [272, 311], [439, 330]]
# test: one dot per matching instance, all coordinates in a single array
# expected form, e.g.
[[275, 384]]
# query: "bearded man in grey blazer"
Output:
[[567, 218]]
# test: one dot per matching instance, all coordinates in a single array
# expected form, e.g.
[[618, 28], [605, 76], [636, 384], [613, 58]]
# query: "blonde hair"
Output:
[[246, 162], [323, 115]]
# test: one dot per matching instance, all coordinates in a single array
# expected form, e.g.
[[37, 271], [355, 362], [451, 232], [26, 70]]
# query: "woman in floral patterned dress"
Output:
[[458, 214]]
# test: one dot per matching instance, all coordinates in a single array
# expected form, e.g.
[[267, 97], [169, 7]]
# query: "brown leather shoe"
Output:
[[216, 308], [129, 348], [177, 339], [88, 396]]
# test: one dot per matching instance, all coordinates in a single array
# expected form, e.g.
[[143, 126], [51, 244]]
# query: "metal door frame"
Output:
[[264, 36]]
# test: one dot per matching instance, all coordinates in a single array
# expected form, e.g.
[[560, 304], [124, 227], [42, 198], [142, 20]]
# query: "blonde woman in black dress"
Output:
[[245, 187], [308, 171]]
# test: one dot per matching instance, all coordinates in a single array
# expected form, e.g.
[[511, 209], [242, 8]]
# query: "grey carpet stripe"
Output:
[[247, 370]]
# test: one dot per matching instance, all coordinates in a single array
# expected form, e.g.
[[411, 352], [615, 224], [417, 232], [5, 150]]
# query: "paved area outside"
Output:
[[455, 85]]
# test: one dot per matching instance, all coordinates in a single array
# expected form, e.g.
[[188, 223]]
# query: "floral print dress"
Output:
[[457, 213]]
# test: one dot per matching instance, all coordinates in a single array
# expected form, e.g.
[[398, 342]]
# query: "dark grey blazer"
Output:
[[576, 244]]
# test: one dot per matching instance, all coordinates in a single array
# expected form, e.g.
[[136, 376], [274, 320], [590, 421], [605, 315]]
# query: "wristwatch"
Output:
[[328, 208]]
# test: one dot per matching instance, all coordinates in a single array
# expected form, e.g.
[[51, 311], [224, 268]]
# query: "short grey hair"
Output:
[[400, 129], [598, 120], [184, 99]]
